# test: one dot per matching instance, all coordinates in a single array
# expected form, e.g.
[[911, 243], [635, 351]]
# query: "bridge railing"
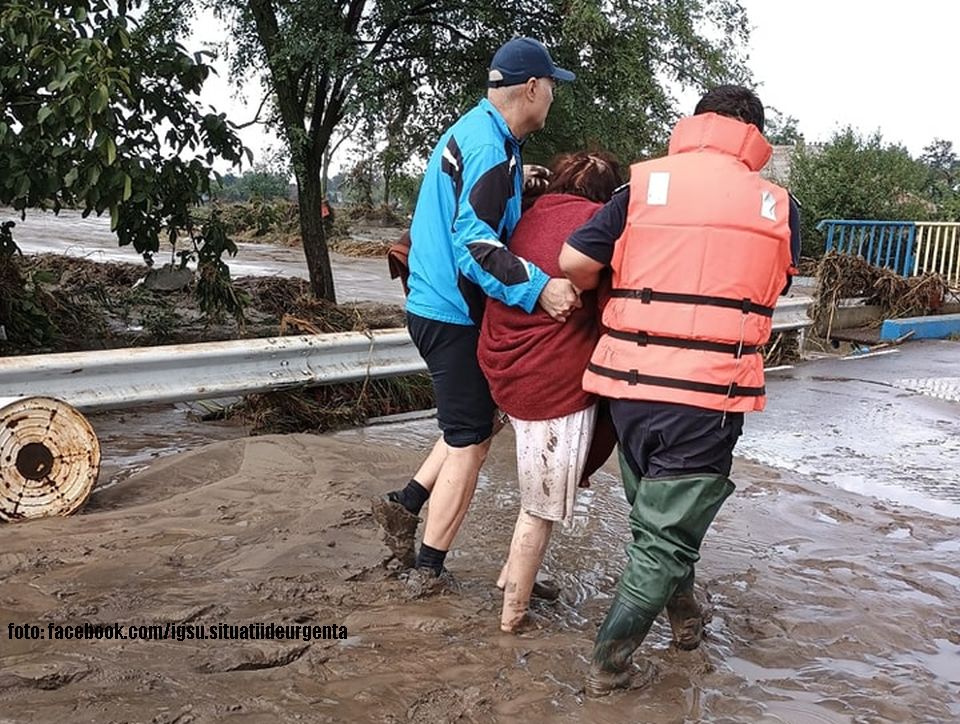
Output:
[[888, 244], [938, 250]]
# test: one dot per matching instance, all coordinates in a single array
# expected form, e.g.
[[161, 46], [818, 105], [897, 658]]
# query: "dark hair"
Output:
[[594, 175], [734, 101]]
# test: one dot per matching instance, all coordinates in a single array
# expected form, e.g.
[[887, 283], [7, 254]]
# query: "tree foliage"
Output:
[[98, 112], [858, 177], [943, 178], [411, 67], [781, 130], [260, 183], [629, 57]]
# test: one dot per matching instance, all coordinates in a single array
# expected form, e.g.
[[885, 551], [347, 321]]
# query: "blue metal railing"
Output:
[[889, 244]]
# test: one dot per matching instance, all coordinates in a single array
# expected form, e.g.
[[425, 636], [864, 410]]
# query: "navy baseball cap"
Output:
[[520, 59]]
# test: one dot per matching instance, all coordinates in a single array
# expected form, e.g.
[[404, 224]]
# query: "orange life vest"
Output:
[[696, 274]]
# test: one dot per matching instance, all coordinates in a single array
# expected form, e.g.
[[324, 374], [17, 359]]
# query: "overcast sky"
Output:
[[884, 65]]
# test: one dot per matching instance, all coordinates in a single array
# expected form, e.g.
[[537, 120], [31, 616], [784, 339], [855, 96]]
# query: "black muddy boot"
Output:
[[622, 632], [399, 527]]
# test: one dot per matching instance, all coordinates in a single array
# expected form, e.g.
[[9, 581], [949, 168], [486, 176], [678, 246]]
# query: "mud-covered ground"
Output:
[[832, 573], [828, 605], [70, 234]]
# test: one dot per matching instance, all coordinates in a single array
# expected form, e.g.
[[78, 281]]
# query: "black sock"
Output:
[[411, 497], [431, 558]]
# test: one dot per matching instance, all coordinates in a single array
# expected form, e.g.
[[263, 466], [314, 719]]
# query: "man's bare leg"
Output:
[[429, 469], [397, 511], [452, 494], [426, 475], [451, 498]]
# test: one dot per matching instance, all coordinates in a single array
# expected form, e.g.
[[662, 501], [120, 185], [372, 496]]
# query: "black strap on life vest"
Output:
[[635, 378], [643, 339], [647, 295]]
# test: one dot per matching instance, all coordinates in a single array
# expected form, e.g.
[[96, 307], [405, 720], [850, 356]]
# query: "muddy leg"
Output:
[[530, 538]]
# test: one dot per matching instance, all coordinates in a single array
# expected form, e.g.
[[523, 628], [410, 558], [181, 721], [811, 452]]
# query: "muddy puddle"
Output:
[[828, 605]]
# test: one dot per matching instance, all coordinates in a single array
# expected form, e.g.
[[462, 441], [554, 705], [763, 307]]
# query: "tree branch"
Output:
[[256, 117]]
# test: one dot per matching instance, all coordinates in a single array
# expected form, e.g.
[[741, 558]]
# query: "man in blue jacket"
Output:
[[468, 206]]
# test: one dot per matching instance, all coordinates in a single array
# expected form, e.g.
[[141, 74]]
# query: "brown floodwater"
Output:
[[71, 235], [831, 602]]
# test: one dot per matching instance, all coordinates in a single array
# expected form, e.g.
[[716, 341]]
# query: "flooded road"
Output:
[[72, 235], [886, 425], [832, 573], [831, 602]]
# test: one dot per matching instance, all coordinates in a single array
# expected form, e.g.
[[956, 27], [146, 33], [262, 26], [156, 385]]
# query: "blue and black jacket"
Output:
[[468, 206]]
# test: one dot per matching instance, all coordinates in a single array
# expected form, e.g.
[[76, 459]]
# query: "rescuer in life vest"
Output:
[[700, 247]]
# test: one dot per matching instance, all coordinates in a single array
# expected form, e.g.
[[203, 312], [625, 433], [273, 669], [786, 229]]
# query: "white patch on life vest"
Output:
[[768, 206], [657, 187]]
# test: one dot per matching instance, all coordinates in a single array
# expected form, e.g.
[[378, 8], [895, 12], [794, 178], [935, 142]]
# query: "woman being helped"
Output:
[[534, 366]]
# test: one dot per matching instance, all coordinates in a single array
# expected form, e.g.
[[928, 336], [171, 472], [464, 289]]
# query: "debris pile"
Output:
[[844, 276]]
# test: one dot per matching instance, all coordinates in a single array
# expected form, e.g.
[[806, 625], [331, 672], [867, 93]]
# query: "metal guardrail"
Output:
[[119, 378], [888, 244], [938, 250]]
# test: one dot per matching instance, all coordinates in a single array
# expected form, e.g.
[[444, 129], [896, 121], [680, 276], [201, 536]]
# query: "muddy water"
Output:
[[827, 606], [131, 440], [885, 425], [72, 235], [814, 593], [832, 574]]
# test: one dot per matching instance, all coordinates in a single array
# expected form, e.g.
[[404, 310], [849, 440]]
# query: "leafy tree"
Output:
[[943, 181], [260, 183], [942, 160], [782, 130], [857, 177], [95, 112], [100, 111], [628, 56], [416, 65]]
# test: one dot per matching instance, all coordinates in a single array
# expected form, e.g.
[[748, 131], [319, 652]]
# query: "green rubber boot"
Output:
[[669, 518], [685, 616], [622, 632]]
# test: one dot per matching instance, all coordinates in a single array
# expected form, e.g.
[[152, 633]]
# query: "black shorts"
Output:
[[464, 406], [663, 440]]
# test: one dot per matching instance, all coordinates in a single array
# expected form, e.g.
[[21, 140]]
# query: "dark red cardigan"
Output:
[[535, 365]]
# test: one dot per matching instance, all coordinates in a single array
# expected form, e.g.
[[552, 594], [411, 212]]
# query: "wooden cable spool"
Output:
[[49, 458]]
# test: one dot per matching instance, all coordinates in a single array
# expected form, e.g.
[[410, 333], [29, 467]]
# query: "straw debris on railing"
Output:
[[843, 276], [783, 348], [333, 406]]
